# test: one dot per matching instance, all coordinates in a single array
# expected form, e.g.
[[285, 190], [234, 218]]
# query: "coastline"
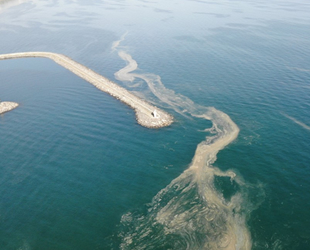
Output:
[[147, 115], [7, 106]]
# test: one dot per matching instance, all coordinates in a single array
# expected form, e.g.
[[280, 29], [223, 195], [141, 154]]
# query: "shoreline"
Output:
[[7, 106], [147, 115]]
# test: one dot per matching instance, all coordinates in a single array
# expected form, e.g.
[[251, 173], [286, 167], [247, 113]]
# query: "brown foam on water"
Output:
[[189, 213]]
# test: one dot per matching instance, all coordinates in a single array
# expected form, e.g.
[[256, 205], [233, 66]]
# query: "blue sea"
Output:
[[78, 172]]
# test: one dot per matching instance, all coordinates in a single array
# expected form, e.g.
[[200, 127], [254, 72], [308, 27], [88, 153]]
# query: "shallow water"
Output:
[[77, 171]]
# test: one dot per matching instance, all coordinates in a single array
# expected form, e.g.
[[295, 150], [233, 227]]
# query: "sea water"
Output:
[[78, 172]]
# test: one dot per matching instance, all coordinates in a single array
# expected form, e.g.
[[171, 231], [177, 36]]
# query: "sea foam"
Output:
[[190, 213]]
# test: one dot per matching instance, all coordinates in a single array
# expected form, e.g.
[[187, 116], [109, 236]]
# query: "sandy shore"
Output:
[[7, 106], [147, 115]]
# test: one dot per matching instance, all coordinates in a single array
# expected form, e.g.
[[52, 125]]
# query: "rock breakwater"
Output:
[[147, 115], [7, 106]]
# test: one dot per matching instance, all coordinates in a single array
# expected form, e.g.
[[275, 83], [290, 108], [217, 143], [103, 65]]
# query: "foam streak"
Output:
[[189, 213], [297, 122]]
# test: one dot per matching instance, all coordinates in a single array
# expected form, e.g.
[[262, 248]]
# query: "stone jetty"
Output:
[[7, 106], [147, 115]]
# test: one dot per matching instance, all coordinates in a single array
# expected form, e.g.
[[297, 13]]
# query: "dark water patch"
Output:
[[162, 10], [211, 14], [188, 39], [225, 186], [206, 2]]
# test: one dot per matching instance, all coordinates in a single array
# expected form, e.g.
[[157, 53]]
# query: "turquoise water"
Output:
[[78, 172]]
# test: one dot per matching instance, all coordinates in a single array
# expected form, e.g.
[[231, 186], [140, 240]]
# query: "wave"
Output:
[[190, 213]]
